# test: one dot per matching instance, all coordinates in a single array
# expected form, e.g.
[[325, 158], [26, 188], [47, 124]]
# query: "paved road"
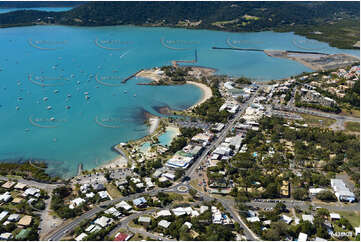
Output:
[[342, 118], [56, 236], [220, 138], [45, 186], [61, 231], [305, 205]]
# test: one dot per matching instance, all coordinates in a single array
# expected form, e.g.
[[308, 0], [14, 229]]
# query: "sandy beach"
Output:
[[154, 122], [207, 93], [118, 162], [150, 74]]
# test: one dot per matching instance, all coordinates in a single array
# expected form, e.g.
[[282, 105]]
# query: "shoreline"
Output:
[[206, 93]]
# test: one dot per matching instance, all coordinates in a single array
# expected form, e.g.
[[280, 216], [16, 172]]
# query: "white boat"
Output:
[[52, 119], [49, 107], [45, 99]]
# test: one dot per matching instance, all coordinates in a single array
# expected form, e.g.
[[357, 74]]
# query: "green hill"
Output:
[[331, 21]]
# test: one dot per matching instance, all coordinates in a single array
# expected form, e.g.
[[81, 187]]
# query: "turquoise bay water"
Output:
[[166, 138], [60, 97], [50, 9]]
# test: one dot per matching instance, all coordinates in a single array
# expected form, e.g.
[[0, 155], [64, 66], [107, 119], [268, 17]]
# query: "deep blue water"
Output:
[[50, 9]]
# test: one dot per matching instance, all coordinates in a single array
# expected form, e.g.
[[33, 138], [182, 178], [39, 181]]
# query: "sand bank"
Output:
[[154, 122], [150, 74]]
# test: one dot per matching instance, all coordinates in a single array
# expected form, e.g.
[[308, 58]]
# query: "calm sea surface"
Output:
[[60, 94]]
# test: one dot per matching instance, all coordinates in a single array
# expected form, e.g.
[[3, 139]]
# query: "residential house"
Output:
[[76, 202], [164, 223], [81, 237], [124, 205], [140, 202], [25, 221], [103, 221]]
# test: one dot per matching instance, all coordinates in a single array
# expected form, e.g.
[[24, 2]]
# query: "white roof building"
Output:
[[286, 219], [178, 161], [90, 195], [203, 209], [163, 213], [76, 202], [341, 191], [14, 217], [144, 219], [168, 175], [179, 211], [307, 217], [335, 216], [188, 224], [84, 188], [103, 221], [32, 192], [135, 180], [93, 228], [103, 194], [5, 197], [6, 236], [253, 219], [3, 214], [163, 179], [20, 186], [124, 205], [302, 237], [202, 138], [140, 185], [217, 217], [164, 223], [194, 213], [315, 191], [112, 211], [81, 237]]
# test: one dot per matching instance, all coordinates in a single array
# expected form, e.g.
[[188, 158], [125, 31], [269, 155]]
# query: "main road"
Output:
[[68, 227]]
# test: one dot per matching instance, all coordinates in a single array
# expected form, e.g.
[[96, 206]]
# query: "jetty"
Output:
[[266, 51], [80, 169], [131, 76], [175, 62]]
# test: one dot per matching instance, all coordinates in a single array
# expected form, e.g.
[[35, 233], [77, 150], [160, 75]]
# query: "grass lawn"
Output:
[[352, 126], [195, 184], [354, 113], [133, 225], [137, 237], [113, 191], [176, 196], [352, 216], [315, 120]]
